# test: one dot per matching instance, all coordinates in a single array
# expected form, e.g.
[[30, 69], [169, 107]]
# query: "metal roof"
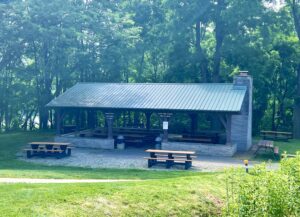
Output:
[[153, 96]]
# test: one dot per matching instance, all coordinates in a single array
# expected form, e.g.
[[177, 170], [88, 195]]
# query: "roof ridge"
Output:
[[154, 83]]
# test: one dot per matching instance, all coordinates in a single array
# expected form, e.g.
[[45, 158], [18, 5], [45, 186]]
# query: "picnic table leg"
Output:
[[152, 162], [29, 155], [186, 165], [149, 163], [256, 150], [69, 152], [170, 162]]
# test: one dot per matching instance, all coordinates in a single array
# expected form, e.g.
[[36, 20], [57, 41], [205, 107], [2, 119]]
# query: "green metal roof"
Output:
[[154, 96]]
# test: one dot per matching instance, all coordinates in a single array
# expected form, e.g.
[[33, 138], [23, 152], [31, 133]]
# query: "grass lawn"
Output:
[[161, 193], [291, 147]]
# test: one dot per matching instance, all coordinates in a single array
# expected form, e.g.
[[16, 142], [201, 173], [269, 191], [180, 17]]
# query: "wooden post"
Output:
[[194, 123], [228, 129], [226, 122], [109, 117], [58, 121], [165, 119], [91, 119], [78, 121], [148, 120]]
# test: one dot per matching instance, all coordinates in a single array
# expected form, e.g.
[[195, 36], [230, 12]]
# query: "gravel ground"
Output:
[[132, 158]]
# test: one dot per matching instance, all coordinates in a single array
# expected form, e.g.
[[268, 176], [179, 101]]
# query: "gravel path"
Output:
[[132, 158], [32, 181]]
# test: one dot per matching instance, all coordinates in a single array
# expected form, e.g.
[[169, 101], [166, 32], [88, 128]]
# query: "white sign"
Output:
[[165, 125]]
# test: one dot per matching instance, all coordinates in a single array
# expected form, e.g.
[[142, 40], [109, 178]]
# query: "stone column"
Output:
[[109, 117], [165, 119]]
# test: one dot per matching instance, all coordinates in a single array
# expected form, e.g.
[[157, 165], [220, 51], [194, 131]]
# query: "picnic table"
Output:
[[170, 157], [276, 135], [267, 145], [44, 149]]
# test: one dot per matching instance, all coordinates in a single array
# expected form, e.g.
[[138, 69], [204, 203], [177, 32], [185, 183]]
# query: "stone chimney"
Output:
[[241, 124]]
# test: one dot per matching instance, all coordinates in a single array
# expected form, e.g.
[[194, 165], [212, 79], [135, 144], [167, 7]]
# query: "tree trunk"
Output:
[[204, 73], [273, 113], [219, 35]]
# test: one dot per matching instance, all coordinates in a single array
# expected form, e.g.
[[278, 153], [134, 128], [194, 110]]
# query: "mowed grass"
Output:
[[290, 147], [186, 196], [159, 193]]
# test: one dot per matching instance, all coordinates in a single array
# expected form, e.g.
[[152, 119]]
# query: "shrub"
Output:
[[263, 192]]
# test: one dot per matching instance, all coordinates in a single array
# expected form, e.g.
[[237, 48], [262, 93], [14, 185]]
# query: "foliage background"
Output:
[[48, 46]]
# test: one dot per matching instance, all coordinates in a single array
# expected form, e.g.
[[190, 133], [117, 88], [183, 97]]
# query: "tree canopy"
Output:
[[48, 46]]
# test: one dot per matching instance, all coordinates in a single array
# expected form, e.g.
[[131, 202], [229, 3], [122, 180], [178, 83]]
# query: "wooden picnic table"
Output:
[[170, 157], [267, 145], [43, 149], [50, 143], [276, 135]]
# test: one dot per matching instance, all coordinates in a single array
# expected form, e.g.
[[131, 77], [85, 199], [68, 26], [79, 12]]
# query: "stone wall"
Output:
[[201, 148], [82, 142]]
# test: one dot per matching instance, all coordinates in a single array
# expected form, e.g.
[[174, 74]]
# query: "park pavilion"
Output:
[[94, 115]]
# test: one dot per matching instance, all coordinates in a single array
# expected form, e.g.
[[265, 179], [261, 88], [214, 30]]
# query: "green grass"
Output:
[[160, 193], [186, 196], [291, 147]]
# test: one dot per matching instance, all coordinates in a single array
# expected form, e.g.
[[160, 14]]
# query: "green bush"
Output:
[[264, 192]]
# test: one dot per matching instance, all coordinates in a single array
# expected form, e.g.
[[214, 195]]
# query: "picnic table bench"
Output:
[[276, 135], [44, 149], [170, 157], [285, 155]]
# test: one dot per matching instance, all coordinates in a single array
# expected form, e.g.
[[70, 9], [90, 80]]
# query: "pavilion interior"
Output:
[[141, 128]]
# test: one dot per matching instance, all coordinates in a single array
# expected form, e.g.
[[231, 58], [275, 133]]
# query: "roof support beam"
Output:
[[91, 118], [194, 123], [78, 121], [226, 122], [109, 117], [148, 120], [165, 119], [228, 129], [59, 118]]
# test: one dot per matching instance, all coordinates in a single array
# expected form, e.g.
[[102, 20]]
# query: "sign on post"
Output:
[[165, 125]]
